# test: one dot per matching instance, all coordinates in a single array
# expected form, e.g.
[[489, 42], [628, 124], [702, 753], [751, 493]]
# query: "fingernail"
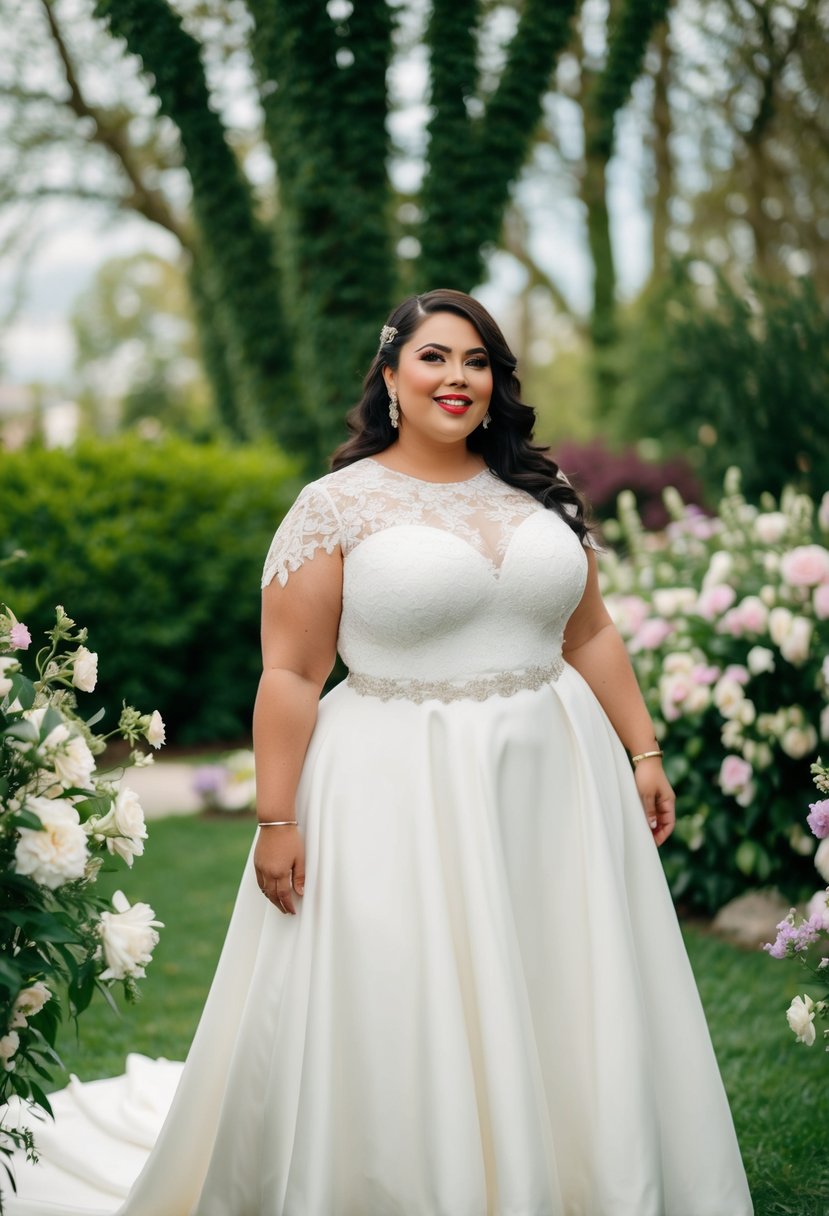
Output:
[[652, 822], [299, 890]]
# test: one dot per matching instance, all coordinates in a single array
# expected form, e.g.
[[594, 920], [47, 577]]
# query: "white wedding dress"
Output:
[[483, 1006]]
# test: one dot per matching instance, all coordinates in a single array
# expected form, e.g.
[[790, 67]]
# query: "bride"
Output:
[[453, 984]]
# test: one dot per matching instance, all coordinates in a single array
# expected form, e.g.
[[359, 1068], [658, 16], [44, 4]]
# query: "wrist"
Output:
[[648, 756]]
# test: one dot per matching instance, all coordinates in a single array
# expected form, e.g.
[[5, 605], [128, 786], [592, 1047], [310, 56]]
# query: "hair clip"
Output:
[[387, 334]]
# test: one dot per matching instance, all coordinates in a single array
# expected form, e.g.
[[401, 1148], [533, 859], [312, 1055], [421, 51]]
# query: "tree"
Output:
[[289, 291]]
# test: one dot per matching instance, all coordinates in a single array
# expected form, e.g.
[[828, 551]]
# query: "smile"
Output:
[[453, 405]]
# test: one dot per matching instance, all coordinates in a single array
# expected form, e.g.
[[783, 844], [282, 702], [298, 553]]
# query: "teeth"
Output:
[[453, 401]]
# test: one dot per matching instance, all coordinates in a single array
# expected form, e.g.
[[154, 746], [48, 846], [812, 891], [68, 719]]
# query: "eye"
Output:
[[479, 361], [431, 355]]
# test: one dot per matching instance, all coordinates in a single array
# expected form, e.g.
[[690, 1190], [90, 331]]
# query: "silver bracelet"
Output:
[[277, 823]]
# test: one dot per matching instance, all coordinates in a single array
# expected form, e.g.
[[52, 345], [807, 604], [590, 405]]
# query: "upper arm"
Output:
[[590, 615], [302, 588], [300, 620]]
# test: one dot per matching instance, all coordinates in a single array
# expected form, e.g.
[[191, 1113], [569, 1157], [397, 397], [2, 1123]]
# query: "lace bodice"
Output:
[[441, 582]]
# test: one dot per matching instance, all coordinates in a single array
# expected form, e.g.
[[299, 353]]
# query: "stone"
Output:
[[751, 919]]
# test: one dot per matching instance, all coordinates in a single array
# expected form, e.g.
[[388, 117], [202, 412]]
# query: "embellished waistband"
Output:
[[477, 688]]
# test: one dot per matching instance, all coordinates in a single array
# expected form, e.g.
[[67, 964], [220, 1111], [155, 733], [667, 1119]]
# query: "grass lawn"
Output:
[[778, 1088]]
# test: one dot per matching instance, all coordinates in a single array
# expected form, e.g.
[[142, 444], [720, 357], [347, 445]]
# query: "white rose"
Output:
[[798, 741], [155, 730], [698, 699], [771, 562], [780, 623], [768, 596], [728, 697], [678, 662], [822, 859], [57, 854], [28, 1002], [818, 905], [732, 734], [760, 659], [123, 826], [719, 569], [746, 712], [8, 1046], [801, 1018], [85, 670], [795, 646], [128, 938], [73, 762], [770, 527], [763, 756], [669, 601]]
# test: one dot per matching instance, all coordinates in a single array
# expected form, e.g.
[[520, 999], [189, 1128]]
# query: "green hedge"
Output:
[[157, 548]]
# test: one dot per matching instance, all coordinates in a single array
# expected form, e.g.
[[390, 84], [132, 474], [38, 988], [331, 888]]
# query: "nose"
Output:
[[456, 373]]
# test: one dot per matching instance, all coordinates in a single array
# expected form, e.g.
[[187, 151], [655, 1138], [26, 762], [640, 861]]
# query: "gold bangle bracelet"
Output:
[[277, 823], [646, 756]]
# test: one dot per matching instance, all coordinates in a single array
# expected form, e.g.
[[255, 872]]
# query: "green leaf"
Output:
[[98, 805], [746, 857], [23, 689], [96, 718], [51, 719]]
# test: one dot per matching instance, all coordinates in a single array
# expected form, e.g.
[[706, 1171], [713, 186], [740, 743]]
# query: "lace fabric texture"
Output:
[[345, 508], [443, 584]]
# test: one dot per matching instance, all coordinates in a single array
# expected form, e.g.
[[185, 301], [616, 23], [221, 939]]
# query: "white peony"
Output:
[[155, 729], [728, 697], [801, 1018], [123, 826], [128, 938], [58, 853], [673, 601], [28, 1002], [799, 741], [8, 1046], [796, 645], [760, 659], [85, 669], [780, 623]]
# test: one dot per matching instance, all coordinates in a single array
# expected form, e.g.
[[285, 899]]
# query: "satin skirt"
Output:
[[482, 1008]]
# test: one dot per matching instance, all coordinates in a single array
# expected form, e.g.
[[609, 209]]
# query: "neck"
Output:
[[433, 461]]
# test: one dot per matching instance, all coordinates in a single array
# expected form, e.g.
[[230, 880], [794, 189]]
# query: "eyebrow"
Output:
[[473, 350]]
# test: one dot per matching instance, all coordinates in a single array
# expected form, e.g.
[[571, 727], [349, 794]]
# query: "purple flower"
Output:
[[208, 779], [794, 939], [19, 637], [818, 818]]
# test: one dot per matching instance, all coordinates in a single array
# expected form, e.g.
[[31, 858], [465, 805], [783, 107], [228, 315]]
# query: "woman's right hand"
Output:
[[279, 861]]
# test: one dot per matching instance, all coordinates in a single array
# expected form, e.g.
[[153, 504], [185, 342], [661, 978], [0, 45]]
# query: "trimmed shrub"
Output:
[[158, 549]]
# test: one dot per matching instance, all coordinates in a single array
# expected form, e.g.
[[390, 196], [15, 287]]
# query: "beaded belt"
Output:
[[496, 684]]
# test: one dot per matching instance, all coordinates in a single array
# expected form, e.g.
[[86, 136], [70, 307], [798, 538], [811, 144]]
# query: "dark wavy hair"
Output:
[[506, 445]]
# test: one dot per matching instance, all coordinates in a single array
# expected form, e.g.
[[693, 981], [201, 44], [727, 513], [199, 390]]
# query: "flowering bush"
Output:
[[230, 786], [804, 939], [727, 622], [60, 820]]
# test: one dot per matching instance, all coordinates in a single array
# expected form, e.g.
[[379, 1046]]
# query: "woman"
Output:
[[454, 983]]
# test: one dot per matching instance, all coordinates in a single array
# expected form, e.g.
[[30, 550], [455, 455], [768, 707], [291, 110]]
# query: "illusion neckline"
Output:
[[423, 481]]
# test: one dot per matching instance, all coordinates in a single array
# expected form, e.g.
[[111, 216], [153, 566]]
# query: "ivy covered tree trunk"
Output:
[[236, 273], [324, 91], [630, 27], [473, 161]]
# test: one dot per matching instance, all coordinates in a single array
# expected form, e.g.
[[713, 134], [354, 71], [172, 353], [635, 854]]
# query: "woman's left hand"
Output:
[[658, 798]]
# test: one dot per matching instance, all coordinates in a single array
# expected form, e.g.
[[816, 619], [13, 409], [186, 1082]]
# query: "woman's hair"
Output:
[[506, 445]]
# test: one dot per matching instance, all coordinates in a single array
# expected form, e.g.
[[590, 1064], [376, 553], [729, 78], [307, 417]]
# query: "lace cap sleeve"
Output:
[[312, 523]]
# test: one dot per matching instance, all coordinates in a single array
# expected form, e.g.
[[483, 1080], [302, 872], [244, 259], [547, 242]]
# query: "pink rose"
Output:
[[715, 600], [806, 566], [735, 774], [735, 671], [753, 613], [651, 634], [821, 602], [705, 675], [818, 818]]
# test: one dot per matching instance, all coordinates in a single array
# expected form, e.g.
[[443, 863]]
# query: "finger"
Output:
[[284, 892], [649, 805], [299, 879]]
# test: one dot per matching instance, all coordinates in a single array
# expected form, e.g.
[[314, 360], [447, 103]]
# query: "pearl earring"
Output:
[[394, 409], [486, 420]]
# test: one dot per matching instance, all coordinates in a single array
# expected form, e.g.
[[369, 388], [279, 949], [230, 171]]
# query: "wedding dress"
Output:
[[483, 1006]]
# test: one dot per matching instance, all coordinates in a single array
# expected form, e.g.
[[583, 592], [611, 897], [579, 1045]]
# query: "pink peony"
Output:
[[703, 674], [736, 671], [651, 634], [19, 637], [806, 566], [735, 774], [753, 613], [821, 602], [714, 601], [818, 818]]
